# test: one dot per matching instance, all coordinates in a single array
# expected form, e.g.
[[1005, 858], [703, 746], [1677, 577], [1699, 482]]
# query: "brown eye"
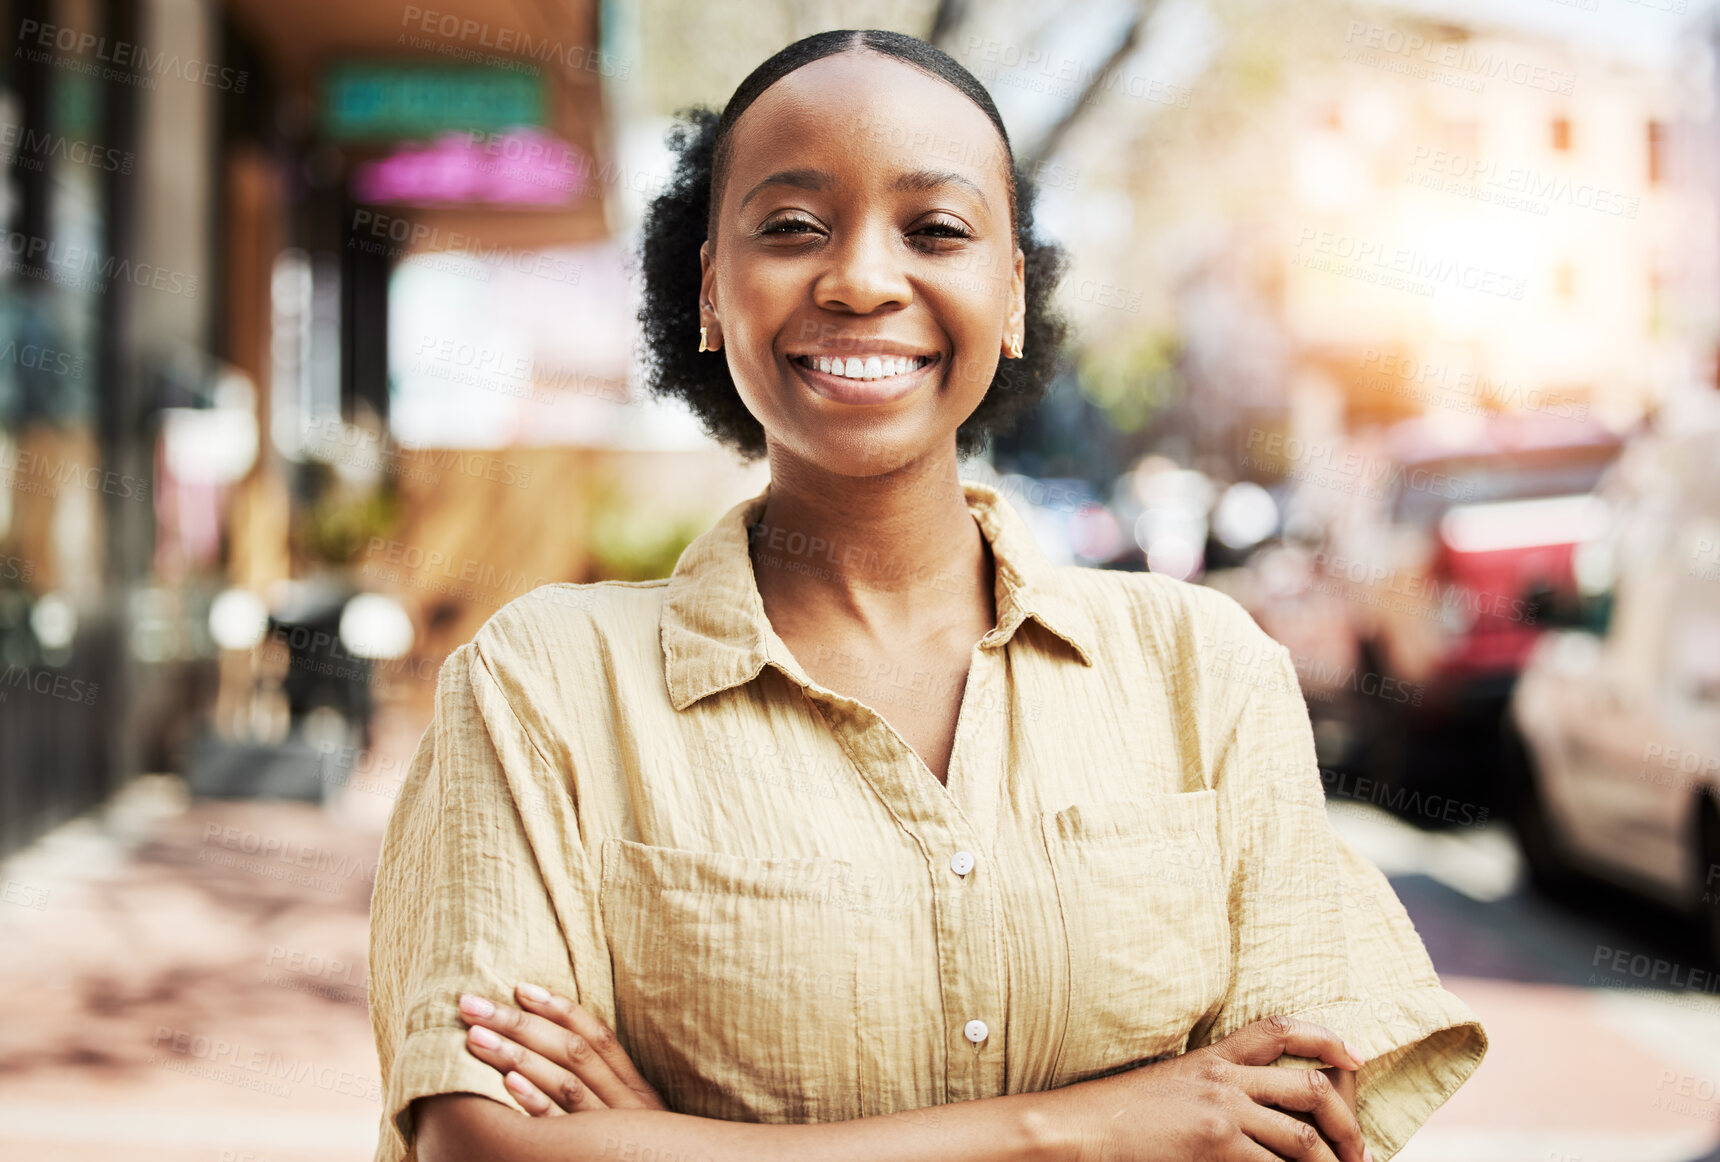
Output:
[[940, 234], [788, 226]]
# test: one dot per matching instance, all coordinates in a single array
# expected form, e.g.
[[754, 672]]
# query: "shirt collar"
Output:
[[716, 636]]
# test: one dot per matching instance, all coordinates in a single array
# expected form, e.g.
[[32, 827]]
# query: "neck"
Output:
[[890, 551]]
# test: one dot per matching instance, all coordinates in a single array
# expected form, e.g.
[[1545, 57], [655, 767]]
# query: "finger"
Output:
[[577, 1019], [530, 1097], [1284, 1135], [568, 1051], [1309, 1091], [1344, 1081], [1266, 1041], [556, 1083]]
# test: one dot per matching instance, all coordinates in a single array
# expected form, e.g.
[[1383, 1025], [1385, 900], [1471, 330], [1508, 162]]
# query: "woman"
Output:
[[869, 833]]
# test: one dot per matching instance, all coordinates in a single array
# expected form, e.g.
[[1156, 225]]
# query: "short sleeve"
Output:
[[1317, 932], [461, 903]]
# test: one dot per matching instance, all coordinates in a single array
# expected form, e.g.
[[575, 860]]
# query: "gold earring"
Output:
[[1015, 346], [703, 346]]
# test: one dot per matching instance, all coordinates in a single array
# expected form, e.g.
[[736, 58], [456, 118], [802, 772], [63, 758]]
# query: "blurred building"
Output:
[[303, 302], [1314, 221], [107, 293], [1539, 212]]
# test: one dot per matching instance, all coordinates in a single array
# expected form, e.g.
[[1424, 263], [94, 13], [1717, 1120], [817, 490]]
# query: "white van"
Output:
[[1613, 748]]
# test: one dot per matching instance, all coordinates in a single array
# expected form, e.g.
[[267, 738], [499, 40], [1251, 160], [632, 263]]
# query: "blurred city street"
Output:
[[1397, 322]]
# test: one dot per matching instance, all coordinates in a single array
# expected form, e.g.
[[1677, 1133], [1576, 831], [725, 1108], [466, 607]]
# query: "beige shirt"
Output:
[[632, 794]]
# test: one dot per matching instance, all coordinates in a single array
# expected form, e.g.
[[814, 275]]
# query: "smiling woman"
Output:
[[1063, 885], [938, 170]]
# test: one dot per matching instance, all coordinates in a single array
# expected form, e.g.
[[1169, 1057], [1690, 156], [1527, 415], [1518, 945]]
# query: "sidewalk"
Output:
[[199, 996]]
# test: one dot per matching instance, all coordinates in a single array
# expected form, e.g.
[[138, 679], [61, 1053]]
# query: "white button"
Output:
[[976, 1031], [961, 863]]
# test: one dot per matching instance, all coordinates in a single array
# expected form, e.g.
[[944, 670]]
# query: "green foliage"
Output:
[[335, 527], [633, 542], [1133, 378]]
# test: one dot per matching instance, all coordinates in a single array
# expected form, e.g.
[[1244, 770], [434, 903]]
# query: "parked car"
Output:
[[1614, 727], [1445, 582]]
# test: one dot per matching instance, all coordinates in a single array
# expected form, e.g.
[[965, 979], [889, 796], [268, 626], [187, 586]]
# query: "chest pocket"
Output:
[[1141, 887], [735, 980]]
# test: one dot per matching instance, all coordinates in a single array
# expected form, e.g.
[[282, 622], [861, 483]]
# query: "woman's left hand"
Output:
[[556, 1057]]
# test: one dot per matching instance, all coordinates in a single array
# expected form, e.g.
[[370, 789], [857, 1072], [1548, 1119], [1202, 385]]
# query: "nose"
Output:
[[865, 273]]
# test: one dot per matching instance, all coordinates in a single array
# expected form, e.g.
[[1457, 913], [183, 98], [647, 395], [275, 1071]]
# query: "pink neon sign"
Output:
[[522, 167]]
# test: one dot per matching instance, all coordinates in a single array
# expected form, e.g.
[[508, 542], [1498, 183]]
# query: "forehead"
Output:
[[871, 108]]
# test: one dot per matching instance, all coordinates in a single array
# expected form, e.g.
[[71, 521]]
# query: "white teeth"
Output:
[[872, 367]]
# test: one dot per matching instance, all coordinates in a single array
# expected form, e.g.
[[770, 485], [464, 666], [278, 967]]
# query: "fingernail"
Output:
[[1367, 1155], [1354, 1056], [485, 1038], [535, 994], [517, 1082], [477, 1006]]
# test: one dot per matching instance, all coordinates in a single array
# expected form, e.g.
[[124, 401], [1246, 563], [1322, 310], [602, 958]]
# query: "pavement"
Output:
[[187, 983]]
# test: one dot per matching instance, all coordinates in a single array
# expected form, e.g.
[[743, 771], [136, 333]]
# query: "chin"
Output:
[[865, 450]]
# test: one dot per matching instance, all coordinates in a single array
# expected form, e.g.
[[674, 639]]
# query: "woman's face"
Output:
[[862, 277]]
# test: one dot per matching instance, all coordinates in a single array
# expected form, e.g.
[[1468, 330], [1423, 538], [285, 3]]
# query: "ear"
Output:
[[1015, 322], [707, 300]]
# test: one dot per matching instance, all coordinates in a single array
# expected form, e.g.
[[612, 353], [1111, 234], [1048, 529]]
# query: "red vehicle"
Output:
[[1447, 582]]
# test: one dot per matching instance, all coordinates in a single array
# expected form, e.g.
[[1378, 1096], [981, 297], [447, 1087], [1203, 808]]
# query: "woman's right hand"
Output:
[[1223, 1103]]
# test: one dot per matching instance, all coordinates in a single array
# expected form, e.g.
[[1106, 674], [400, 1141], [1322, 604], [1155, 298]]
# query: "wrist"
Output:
[[1042, 1131]]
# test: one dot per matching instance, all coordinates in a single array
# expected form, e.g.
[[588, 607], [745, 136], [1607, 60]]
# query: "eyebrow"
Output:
[[930, 179], [800, 179], [915, 181]]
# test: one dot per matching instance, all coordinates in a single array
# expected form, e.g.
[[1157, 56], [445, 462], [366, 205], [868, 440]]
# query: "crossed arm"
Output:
[[587, 1101]]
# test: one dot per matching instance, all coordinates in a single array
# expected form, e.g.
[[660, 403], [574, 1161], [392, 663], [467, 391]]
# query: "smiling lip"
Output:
[[841, 389]]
